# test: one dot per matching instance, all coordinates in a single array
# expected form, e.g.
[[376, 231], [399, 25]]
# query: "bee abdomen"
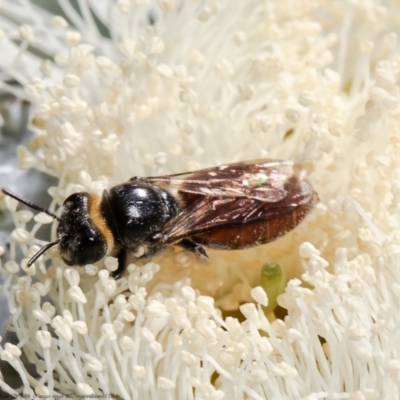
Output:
[[242, 236]]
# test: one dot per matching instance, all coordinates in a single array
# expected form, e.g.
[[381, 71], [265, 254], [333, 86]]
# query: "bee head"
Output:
[[82, 232]]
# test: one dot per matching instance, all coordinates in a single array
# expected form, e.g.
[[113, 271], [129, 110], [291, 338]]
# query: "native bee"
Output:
[[228, 207]]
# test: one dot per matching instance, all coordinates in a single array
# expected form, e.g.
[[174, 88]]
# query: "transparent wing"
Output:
[[262, 180], [204, 215]]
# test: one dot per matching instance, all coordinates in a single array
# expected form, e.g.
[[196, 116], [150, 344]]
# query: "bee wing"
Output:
[[262, 180], [218, 206], [206, 213]]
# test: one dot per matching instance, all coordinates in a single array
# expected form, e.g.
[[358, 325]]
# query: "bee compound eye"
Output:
[[91, 253], [83, 250]]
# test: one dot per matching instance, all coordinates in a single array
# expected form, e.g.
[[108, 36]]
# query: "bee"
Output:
[[229, 207]]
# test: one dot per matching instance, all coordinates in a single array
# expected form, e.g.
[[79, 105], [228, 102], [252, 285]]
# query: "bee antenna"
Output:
[[28, 203], [42, 250]]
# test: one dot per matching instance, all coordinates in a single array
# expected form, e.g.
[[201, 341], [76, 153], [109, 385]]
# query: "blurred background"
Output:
[[30, 184]]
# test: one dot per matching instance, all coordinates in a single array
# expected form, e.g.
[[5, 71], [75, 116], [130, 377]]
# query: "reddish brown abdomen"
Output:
[[241, 236], [247, 222]]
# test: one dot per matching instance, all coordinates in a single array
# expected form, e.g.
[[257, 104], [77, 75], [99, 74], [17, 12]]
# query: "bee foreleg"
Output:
[[193, 247]]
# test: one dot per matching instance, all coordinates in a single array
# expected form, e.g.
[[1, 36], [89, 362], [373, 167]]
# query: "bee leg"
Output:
[[193, 247], [121, 257]]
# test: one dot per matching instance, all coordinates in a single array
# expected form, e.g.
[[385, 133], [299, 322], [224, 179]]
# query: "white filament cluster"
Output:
[[115, 337], [172, 86]]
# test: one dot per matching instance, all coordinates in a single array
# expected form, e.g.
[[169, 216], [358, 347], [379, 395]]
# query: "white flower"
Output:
[[142, 88]]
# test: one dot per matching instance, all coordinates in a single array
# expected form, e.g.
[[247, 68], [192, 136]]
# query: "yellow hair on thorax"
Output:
[[99, 221]]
